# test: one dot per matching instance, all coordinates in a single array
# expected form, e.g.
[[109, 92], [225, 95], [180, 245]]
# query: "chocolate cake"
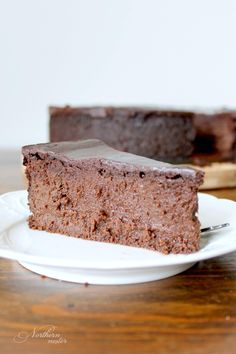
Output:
[[216, 137], [158, 134], [172, 136], [88, 190]]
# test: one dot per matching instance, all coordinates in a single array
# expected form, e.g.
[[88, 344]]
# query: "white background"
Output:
[[177, 53]]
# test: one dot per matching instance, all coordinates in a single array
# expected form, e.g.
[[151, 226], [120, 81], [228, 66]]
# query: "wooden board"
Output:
[[218, 175]]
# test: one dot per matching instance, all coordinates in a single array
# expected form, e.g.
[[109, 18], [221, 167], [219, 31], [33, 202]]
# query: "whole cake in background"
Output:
[[87, 189], [161, 135], [206, 140]]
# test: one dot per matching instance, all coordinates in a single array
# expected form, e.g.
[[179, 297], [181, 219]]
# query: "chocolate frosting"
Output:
[[74, 151], [110, 111]]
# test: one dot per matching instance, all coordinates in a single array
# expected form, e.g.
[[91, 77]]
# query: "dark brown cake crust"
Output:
[[114, 197], [159, 134]]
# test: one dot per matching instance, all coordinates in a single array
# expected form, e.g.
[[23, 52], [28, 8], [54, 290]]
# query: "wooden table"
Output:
[[194, 312]]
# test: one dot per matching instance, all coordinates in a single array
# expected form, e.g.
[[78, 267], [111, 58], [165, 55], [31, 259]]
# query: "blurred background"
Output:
[[94, 52]]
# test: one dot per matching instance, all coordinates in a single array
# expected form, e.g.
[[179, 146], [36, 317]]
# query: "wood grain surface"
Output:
[[193, 312]]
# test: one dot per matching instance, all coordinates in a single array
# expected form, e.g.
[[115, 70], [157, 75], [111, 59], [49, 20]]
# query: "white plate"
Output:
[[77, 260]]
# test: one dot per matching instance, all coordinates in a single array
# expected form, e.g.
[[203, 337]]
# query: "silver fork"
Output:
[[214, 228]]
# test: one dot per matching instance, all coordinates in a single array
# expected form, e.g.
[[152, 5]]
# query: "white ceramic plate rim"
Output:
[[168, 260]]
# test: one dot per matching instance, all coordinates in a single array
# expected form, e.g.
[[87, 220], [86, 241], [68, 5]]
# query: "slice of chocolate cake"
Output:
[[154, 133], [86, 189]]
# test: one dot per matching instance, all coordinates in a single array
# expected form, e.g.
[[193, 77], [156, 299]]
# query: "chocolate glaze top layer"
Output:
[[109, 111], [74, 151]]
